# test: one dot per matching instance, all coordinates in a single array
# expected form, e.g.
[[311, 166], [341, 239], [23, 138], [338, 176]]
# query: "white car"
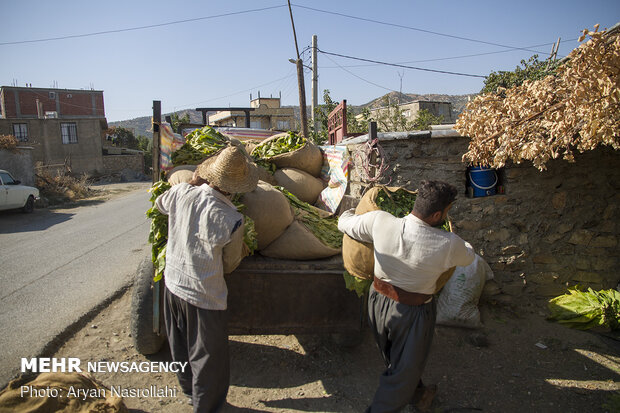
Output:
[[13, 195]]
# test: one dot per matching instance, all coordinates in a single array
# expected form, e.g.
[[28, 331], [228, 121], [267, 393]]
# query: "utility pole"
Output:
[[315, 82], [300, 81]]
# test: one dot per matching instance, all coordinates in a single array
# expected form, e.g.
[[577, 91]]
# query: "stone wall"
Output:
[[550, 230], [117, 163], [19, 163]]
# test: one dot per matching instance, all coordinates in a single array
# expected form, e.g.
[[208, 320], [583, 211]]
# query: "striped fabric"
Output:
[[336, 172], [168, 143]]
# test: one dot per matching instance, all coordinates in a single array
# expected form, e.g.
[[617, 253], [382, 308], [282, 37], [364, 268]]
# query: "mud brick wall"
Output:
[[549, 230], [19, 163], [117, 163]]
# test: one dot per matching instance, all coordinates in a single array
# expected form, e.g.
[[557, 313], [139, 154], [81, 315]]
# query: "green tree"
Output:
[[425, 119], [146, 146], [176, 120], [532, 69], [122, 137], [391, 118]]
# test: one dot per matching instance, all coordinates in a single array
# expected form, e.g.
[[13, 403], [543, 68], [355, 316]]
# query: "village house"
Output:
[[64, 130], [410, 110]]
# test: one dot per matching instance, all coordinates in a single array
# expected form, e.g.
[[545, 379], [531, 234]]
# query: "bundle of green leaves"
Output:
[[158, 234], [324, 228], [584, 310], [198, 146], [399, 203], [273, 147]]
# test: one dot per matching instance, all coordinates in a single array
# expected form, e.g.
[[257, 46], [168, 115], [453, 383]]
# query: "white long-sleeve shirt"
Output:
[[408, 252], [200, 222]]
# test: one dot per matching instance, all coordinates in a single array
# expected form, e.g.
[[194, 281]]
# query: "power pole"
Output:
[[300, 81], [315, 80]]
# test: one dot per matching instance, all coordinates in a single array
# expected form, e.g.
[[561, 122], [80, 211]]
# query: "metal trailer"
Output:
[[265, 296]]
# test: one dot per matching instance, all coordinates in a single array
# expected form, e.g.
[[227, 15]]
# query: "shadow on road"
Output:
[[15, 221]]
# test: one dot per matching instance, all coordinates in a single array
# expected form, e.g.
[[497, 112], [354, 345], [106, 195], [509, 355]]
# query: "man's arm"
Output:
[[358, 227], [164, 201]]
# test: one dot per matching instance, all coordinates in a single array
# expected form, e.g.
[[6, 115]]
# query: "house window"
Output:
[[68, 132], [20, 131], [283, 125], [255, 124]]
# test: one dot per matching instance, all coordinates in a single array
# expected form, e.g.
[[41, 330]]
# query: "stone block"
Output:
[[609, 211], [523, 239], [500, 235], [582, 263], [553, 238], [605, 263], [544, 259], [513, 288], [543, 277], [550, 290], [581, 237], [564, 228], [559, 200], [604, 241], [468, 225], [587, 277]]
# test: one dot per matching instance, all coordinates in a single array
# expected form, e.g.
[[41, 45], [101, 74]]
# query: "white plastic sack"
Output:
[[457, 304]]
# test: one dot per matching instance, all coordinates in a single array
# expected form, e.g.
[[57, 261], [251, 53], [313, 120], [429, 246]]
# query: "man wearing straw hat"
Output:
[[201, 222], [411, 254]]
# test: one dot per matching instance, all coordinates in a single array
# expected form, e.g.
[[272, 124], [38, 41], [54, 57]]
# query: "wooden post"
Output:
[[156, 138]]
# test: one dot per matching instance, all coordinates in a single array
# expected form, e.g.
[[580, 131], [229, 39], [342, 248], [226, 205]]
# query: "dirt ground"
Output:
[[518, 362]]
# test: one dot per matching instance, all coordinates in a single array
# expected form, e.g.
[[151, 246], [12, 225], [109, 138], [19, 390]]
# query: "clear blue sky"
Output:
[[236, 50]]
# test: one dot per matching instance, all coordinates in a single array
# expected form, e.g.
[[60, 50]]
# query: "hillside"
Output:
[[142, 125]]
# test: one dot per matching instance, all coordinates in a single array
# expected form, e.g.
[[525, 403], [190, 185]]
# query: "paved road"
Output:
[[56, 265]]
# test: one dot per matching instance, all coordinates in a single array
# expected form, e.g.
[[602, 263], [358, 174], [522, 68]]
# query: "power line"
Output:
[[140, 27], [403, 66], [416, 29], [447, 58], [361, 78]]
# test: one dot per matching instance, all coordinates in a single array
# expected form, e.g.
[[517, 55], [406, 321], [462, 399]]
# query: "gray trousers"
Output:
[[199, 337], [404, 335]]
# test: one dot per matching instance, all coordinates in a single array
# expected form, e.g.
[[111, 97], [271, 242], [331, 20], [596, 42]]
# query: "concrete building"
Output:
[[65, 127], [410, 110], [266, 113]]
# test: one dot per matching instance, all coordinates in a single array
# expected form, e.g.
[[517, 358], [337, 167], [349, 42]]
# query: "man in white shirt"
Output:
[[410, 255], [201, 221]]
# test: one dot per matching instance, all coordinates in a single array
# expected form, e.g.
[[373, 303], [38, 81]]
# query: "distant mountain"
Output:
[[142, 125]]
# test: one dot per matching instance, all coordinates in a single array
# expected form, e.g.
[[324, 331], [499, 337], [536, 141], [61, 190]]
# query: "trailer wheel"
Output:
[[145, 340]]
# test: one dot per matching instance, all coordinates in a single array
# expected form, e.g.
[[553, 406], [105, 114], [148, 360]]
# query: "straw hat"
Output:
[[230, 170]]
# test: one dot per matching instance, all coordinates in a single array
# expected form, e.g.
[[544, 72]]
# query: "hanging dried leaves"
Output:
[[577, 108]]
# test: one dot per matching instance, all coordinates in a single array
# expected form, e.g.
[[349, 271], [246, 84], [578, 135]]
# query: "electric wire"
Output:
[[415, 29], [150, 26], [403, 66]]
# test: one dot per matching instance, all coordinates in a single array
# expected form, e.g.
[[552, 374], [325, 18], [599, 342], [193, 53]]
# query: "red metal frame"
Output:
[[337, 123]]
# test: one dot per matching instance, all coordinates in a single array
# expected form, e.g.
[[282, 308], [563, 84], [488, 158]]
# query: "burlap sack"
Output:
[[298, 243], [308, 158], [270, 211], [234, 251], [358, 257], [301, 184], [266, 176], [100, 398], [181, 174]]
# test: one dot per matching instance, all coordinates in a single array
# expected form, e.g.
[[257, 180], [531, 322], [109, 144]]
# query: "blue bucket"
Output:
[[483, 180]]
